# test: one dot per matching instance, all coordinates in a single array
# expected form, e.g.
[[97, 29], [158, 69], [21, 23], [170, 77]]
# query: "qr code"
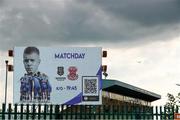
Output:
[[90, 86]]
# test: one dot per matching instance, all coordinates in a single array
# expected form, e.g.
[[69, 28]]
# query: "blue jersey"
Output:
[[25, 84], [36, 82], [45, 83]]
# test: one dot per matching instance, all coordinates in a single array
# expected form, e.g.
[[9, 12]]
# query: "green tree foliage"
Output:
[[171, 105], [171, 101]]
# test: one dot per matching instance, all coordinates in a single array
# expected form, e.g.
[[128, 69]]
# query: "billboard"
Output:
[[69, 75]]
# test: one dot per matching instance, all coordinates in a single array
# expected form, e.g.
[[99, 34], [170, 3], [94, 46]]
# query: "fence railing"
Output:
[[118, 112]]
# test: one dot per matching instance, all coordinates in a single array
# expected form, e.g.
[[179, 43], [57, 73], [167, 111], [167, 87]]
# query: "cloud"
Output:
[[102, 23], [146, 13], [152, 67]]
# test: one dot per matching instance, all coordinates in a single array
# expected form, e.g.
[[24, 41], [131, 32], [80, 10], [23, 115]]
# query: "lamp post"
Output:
[[6, 61]]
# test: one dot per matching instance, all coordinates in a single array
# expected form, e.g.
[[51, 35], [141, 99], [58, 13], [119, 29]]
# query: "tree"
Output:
[[171, 105], [171, 101]]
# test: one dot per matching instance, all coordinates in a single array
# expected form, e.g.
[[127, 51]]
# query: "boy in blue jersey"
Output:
[[22, 89], [45, 87], [25, 88]]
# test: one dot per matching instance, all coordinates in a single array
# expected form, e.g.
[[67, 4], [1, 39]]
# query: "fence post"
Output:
[[3, 111], [80, 116], [138, 113], [15, 111], [104, 112], [72, 112], [109, 113], [57, 112], [21, 116], [45, 109], [84, 111], [62, 111], [144, 113], [99, 109], [118, 111], [173, 112], [76, 110], [161, 113], [169, 114], [126, 111], [33, 112], [113, 111], [66, 112], [51, 110], [177, 109], [122, 112], [39, 111], [94, 111], [165, 115], [131, 111], [9, 111], [27, 111]]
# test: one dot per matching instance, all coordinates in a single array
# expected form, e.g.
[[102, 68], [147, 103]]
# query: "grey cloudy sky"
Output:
[[131, 30], [49, 22]]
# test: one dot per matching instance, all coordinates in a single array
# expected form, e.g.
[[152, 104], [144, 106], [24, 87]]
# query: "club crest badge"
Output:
[[72, 73], [60, 70]]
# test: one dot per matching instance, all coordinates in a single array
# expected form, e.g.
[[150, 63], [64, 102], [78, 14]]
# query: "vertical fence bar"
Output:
[[126, 111], [85, 112], [39, 111], [94, 111], [3, 111], [66, 111], [177, 109], [161, 115], [113, 112], [15, 111], [62, 112], [156, 113], [80, 110], [104, 112], [164, 113], [99, 110], [123, 112], [172, 112], [152, 112], [138, 115], [143, 113], [33, 111], [77, 114], [21, 113], [131, 112], [51, 110], [90, 111], [45, 110], [27, 111], [118, 112], [72, 112], [9, 111], [57, 112], [149, 112], [169, 113], [109, 111]]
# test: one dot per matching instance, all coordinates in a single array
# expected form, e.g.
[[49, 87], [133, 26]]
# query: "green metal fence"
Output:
[[50, 112]]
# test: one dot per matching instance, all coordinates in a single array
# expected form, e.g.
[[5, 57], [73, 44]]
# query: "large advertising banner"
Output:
[[69, 75]]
